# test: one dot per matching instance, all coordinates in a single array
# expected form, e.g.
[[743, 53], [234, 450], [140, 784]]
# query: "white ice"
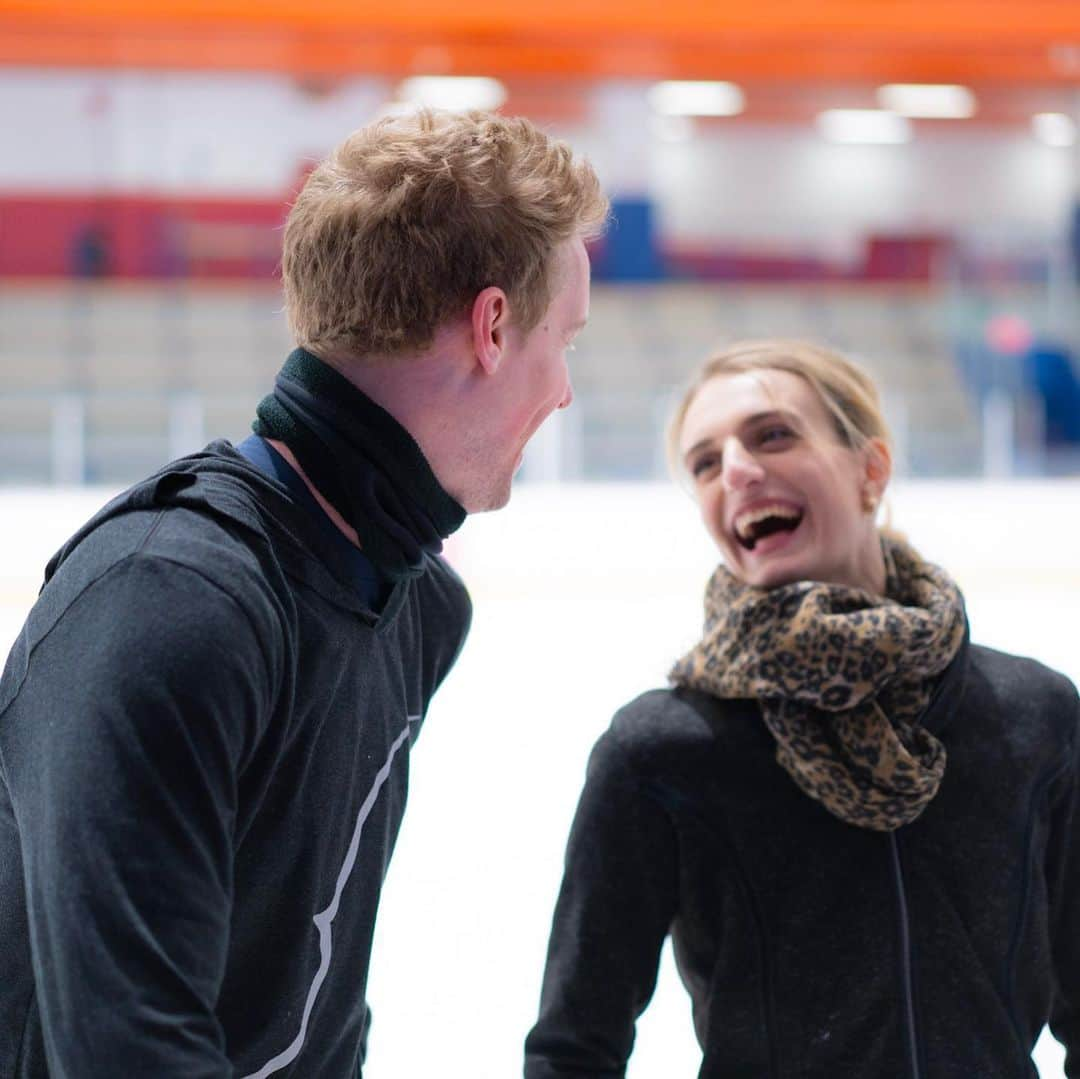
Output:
[[583, 596]]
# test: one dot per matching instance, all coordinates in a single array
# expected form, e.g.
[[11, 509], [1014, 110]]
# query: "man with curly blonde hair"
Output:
[[439, 264], [205, 723]]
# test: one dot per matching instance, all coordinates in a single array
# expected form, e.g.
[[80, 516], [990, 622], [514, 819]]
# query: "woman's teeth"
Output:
[[763, 521]]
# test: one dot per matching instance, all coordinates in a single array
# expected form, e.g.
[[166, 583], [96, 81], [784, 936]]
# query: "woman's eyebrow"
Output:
[[699, 445], [770, 414]]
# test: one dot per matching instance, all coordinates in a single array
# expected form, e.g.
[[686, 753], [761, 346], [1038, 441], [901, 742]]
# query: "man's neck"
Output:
[[424, 392], [347, 530]]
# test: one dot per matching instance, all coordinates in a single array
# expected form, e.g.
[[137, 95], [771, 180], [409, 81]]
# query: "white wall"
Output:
[[248, 133], [776, 182], [175, 132]]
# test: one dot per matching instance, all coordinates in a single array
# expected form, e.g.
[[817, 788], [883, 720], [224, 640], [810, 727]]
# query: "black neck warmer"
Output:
[[362, 461]]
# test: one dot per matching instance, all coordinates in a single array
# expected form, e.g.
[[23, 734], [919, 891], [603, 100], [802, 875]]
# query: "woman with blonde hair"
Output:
[[857, 826]]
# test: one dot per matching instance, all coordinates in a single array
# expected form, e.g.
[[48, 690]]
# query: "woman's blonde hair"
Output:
[[844, 388], [411, 217]]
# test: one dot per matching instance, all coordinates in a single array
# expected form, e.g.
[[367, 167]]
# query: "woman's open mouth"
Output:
[[772, 519]]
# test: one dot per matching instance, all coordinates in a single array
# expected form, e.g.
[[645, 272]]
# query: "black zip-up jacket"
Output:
[[204, 752], [812, 949]]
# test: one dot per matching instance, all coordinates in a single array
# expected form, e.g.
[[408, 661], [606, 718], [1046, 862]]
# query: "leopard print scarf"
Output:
[[841, 676]]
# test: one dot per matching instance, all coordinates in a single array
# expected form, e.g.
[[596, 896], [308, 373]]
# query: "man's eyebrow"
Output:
[[757, 417], [579, 325]]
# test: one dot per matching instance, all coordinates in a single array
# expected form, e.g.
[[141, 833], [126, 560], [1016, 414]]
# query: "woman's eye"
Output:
[[703, 464], [775, 434]]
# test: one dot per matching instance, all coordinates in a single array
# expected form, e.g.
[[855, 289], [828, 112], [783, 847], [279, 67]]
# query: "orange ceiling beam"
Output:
[[971, 19], [796, 40]]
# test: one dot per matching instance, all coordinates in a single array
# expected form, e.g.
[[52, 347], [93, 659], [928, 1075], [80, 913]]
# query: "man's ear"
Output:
[[490, 312], [878, 465]]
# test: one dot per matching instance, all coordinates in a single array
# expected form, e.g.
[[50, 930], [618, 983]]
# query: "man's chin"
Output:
[[494, 504], [492, 498]]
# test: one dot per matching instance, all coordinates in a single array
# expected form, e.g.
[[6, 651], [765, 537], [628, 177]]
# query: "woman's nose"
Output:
[[741, 468]]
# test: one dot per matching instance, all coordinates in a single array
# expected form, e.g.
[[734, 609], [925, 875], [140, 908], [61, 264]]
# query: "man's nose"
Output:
[[741, 467], [568, 396]]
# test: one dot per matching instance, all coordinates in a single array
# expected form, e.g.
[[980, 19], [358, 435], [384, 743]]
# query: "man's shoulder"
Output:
[[207, 525], [237, 554], [184, 533], [123, 608]]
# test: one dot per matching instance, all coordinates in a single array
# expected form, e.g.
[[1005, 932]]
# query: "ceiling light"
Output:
[[928, 102], [454, 93], [696, 98], [863, 125], [1054, 128], [394, 109]]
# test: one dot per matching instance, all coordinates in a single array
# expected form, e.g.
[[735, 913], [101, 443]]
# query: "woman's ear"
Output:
[[489, 317], [877, 471]]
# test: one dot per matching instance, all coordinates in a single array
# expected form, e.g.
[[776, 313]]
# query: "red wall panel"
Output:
[[138, 237]]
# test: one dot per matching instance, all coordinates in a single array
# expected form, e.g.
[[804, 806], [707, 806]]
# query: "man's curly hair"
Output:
[[408, 219]]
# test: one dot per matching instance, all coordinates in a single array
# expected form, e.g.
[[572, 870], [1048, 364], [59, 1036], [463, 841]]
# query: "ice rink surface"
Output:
[[583, 597]]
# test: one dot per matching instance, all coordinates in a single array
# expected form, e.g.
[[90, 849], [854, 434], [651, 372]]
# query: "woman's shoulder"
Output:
[[1020, 679], [1027, 701], [664, 727]]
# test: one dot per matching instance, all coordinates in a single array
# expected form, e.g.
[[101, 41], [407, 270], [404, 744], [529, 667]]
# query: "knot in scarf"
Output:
[[842, 677], [362, 461]]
